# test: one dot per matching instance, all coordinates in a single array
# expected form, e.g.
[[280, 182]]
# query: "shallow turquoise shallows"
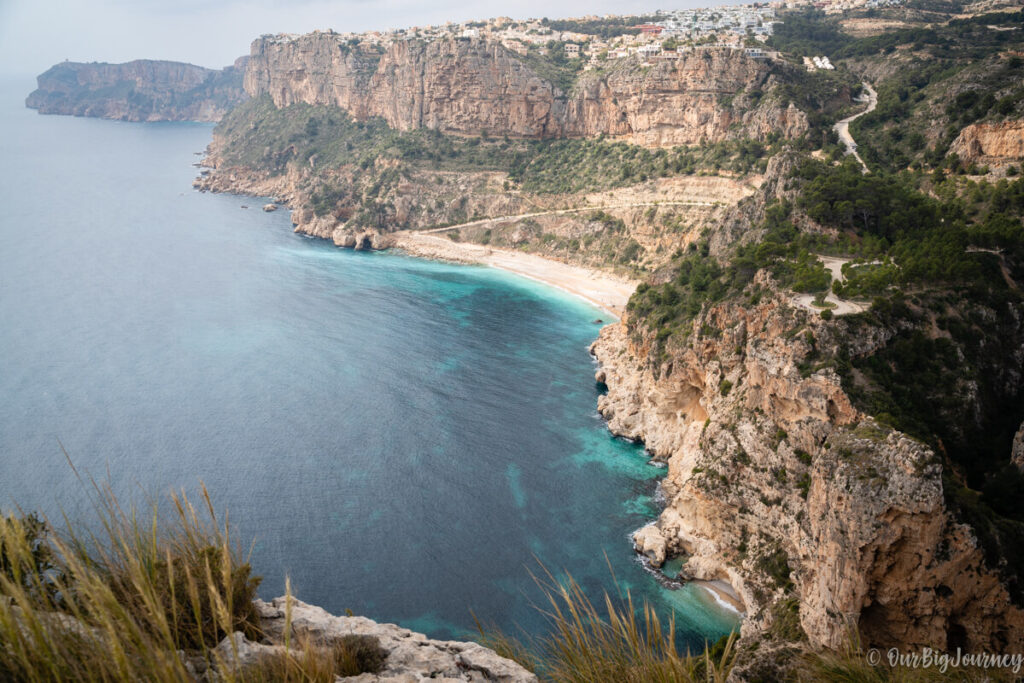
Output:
[[401, 437]]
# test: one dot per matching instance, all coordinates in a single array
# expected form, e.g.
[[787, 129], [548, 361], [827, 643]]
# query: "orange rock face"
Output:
[[991, 142], [768, 462], [470, 87]]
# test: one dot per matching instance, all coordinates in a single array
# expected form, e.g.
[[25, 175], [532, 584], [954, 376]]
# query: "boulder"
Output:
[[650, 541]]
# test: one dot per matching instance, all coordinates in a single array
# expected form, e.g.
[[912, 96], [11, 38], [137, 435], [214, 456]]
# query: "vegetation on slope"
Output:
[[949, 263], [626, 643], [120, 602], [948, 76], [261, 136]]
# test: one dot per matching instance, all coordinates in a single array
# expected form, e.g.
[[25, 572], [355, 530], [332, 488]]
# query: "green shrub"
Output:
[[803, 484], [776, 565], [785, 624]]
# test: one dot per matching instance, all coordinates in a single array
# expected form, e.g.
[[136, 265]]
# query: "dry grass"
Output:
[[309, 662], [587, 646], [120, 603]]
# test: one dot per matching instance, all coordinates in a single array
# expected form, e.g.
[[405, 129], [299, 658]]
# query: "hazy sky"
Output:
[[35, 34]]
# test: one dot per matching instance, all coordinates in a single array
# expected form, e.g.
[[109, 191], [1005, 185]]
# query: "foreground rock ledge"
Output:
[[410, 657]]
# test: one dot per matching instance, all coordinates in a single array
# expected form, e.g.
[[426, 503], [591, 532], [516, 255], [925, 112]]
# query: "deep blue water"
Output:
[[400, 437]]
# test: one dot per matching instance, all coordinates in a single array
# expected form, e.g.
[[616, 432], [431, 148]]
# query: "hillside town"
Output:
[[664, 34]]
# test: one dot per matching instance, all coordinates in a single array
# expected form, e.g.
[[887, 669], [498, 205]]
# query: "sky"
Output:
[[35, 34]]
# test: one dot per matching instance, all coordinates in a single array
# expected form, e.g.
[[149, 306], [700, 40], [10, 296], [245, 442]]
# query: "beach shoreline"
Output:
[[722, 592], [606, 291]]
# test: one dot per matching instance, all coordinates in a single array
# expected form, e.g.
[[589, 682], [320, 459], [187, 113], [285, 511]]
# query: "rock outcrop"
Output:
[[991, 143], [407, 656], [473, 87], [143, 90], [1017, 454], [779, 485]]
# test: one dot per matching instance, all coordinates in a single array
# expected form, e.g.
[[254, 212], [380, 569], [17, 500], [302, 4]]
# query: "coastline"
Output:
[[722, 592], [607, 292]]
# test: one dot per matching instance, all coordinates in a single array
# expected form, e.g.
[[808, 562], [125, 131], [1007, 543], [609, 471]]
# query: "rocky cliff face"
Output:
[[778, 484], [143, 90], [991, 143], [1017, 453], [456, 86], [470, 87], [681, 102]]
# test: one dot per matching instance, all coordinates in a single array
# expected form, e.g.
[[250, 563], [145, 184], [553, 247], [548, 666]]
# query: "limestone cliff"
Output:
[[455, 86], [696, 99], [142, 90], [1017, 454], [470, 87], [991, 143], [778, 484]]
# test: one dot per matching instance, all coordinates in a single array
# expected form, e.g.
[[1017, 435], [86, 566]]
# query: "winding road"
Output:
[[842, 128]]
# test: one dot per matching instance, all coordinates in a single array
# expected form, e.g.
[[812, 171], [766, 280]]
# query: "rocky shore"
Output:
[[777, 485]]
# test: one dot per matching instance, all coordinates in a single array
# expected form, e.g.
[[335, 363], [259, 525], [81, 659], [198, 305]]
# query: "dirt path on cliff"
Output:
[[555, 212], [843, 126], [1010, 282], [606, 291], [839, 306]]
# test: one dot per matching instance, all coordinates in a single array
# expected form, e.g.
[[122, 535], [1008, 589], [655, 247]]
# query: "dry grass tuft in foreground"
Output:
[[144, 598], [586, 646], [164, 599]]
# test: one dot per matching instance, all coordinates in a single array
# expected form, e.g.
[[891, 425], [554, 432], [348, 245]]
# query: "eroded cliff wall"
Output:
[[991, 143], [778, 484], [142, 90], [473, 87]]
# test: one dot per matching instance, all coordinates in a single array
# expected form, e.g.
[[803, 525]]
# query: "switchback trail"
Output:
[[552, 212]]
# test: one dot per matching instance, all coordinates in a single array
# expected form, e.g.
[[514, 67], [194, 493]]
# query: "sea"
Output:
[[414, 441]]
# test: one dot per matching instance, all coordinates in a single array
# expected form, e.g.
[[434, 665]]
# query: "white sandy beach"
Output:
[[723, 593], [601, 289]]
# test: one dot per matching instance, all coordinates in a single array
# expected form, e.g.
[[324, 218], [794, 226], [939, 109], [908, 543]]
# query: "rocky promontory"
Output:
[[141, 90]]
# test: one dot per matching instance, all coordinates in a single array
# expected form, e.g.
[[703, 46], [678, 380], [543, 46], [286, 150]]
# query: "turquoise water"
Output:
[[403, 438]]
